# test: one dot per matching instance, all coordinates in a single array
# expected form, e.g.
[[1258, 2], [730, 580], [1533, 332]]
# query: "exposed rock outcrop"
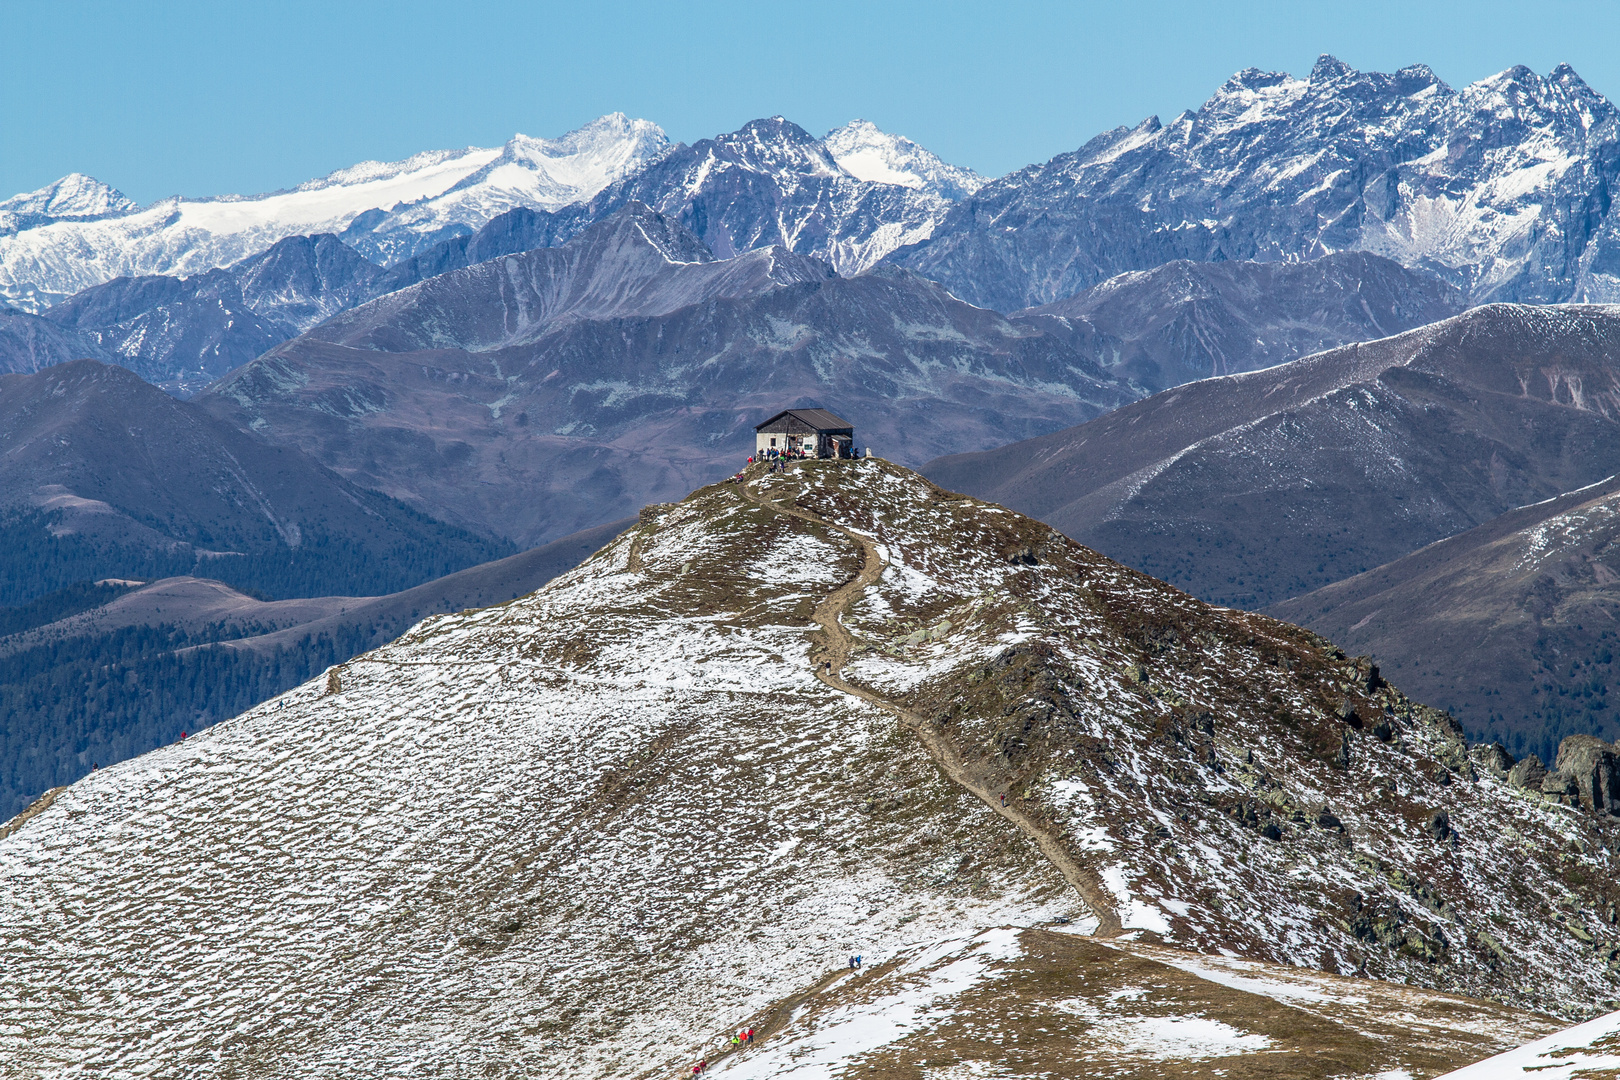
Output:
[[1594, 766]]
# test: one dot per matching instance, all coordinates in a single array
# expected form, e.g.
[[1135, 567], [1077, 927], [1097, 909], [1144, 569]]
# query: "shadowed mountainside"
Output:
[[544, 392], [1249, 489], [108, 477], [1510, 625], [1187, 320]]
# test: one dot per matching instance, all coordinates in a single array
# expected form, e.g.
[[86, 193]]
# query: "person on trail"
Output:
[[750, 1035], [1004, 800]]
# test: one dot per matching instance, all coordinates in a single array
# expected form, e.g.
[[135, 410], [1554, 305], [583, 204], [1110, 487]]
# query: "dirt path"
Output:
[[33, 809], [829, 664]]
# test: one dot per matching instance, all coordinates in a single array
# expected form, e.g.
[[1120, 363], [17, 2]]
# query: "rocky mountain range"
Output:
[[109, 477], [1501, 187], [536, 394], [184, 333], [769, 183], [1507, 625], [667, 796]]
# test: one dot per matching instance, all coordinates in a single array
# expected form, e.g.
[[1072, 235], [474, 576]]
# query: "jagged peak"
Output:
[[1565, 74], [1329, 67], [1415, 79], [777, 143], [1253, 78]]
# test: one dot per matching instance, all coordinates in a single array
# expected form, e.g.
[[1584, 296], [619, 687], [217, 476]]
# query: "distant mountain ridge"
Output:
[[1190, 320], [386, 210], [1508, 625], [108, 477], [1500, 188], [1252, 488], [536, 394]]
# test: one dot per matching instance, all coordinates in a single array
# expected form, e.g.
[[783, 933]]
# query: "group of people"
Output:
[[742, 1038]]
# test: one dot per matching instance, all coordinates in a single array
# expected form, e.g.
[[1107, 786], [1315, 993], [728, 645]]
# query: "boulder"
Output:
[[1560, 786], [1493, 758], [1595, 767], [1439, 825], [1528, 773]]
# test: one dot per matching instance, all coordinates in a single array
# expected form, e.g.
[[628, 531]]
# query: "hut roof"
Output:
[[806, 422]]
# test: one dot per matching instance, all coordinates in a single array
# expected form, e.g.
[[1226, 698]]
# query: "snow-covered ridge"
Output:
[[82, 233], [74, 196], [1500, 187]]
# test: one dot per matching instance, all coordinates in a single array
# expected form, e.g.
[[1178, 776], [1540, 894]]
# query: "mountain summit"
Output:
[[812, 714]]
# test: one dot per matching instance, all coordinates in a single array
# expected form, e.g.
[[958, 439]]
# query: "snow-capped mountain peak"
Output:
[[777, 144], [1500, 187], [867, 152], [74, 196]]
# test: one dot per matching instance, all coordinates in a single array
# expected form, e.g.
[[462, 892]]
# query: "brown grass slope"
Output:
[[1301, 808], [1512, 625]]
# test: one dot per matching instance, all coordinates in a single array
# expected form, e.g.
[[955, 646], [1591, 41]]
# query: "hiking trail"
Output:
[[828, 615]]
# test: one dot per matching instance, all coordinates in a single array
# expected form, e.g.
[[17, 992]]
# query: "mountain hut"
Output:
[[812, 432]]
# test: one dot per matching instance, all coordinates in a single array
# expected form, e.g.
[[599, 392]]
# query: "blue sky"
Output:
[[204, 98]]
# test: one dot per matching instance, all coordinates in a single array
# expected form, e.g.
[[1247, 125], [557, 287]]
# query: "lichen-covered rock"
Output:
[[1560, 786], [1595, 767], [1528, 773], [1493, 758]]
